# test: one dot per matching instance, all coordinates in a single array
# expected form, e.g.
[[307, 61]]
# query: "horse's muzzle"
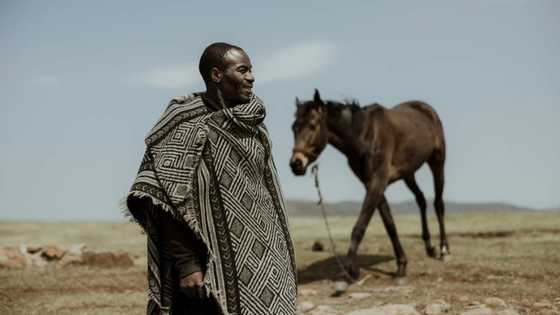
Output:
[[297, 168], [298, 163]]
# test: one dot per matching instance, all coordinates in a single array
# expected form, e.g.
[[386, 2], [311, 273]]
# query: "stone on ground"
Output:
[[479, 310], [437, 307], [306, 306], [390, 309], [543, 304], [359, 295], [495, 302], [317, 247], [324, 310], [509, 311], [59, 256]]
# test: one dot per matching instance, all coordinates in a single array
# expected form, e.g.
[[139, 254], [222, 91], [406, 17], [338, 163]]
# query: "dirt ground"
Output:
[[512, 256]]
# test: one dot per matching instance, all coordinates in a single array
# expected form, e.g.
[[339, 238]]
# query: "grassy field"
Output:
[[511, 256]]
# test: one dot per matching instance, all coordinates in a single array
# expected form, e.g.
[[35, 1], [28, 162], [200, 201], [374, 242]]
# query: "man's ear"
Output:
[[216, 75]]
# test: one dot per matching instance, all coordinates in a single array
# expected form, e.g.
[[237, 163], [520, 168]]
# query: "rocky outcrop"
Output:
[[24, 256]]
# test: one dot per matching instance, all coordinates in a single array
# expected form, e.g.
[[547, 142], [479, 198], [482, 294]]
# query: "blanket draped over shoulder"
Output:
[[214, 171]]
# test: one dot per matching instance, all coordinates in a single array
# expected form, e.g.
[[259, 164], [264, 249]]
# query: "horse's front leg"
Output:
[[391, 229], [374, 194]]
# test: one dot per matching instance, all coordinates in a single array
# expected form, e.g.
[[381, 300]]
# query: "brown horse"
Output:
[[382, 146]]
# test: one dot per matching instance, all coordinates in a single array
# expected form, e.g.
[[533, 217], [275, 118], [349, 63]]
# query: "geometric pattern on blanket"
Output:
[[255, 219]]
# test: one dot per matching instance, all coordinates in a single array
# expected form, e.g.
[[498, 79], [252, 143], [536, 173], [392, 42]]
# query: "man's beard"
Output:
[[242, 99]]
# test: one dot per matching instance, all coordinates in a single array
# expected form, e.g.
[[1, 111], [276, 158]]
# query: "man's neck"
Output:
[[210, 103], [214, 101]]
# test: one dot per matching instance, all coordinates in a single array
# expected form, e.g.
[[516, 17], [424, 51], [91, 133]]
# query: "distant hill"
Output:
[[352, 208]]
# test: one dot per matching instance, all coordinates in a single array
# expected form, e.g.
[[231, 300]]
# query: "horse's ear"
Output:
[[297, 101], [317, 98]]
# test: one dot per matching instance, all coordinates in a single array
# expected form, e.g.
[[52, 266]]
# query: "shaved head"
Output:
[[214, 56]]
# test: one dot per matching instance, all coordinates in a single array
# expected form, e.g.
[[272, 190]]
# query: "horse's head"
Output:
[[310, 133]]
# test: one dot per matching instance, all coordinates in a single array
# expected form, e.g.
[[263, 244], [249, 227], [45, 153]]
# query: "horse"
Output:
[[383, 145]]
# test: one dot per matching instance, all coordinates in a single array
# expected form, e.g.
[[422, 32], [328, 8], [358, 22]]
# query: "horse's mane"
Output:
[[352, 104]]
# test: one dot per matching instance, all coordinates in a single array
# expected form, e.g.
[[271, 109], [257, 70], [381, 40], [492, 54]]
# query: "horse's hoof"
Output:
[[445, 258], [431, 252], [353, 271], [400, 280]]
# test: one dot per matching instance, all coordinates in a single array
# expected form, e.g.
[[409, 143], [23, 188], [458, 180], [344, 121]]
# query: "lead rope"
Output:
[[315, 172]]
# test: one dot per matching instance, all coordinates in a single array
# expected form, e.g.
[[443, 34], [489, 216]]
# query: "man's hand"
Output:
[[192, 285]]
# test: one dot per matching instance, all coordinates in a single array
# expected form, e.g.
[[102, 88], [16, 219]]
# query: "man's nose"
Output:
[[250, 77]]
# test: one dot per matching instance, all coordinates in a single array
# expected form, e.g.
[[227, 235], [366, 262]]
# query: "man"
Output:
[[207, 196]]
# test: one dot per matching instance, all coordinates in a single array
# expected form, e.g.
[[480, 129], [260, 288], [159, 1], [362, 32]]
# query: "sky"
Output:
[[82, 82]]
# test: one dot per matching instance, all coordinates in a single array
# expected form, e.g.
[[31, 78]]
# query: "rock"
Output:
[[405, 289], [324, 310], [464, 298], [107, 259], [12, 263], [509, 311], [307, 292], [34, 249], [70, 260], [495, 302], [77, 249], [317, 246], [474, 304], [52, 255], [437, 307], [51, 252], [390, 309], [35, 260], [543, 304], [74, 256], [306, 306], [400, 281], [11, 258], [480, 310], [340, 287], [359, 295]]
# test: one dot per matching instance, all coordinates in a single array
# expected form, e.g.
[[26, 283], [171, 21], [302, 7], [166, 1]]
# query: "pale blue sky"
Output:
[[82, 82]]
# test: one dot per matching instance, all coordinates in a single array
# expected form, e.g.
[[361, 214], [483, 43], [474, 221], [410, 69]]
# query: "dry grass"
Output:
[[513, 256]]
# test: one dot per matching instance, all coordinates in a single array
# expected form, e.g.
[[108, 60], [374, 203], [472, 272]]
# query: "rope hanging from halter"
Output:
[[315, 172]]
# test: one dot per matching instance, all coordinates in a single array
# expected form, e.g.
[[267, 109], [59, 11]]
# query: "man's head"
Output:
[[227, 68]]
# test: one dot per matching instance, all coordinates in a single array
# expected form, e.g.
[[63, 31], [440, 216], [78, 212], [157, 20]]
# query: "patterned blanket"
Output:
[[214, 171]]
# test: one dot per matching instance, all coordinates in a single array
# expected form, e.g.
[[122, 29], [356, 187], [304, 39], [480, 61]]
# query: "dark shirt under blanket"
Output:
[[181, 245]]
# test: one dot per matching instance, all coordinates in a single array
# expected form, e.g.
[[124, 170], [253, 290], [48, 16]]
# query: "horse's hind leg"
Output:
[[421, 201], [436, 162], [389, 224]]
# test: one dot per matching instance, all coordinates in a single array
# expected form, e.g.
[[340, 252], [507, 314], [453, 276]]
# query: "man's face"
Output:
[[237, 81]]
